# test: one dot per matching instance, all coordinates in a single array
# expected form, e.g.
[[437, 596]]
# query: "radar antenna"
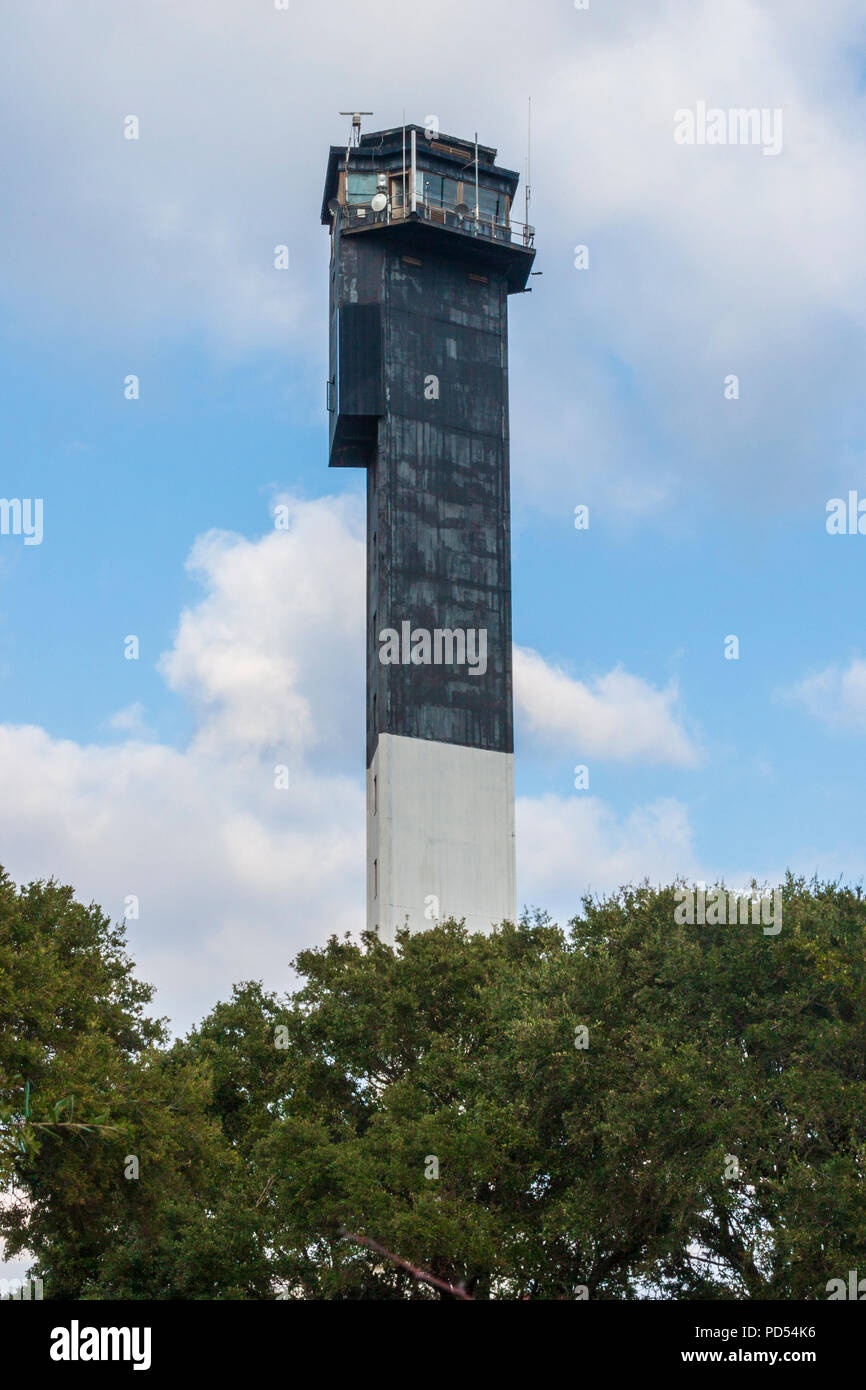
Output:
[[355, 132]]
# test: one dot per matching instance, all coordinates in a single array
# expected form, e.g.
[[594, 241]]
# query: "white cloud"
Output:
[[130, 720], [836, 697], [273, 656], [616, 715], [568, 846], [233, 874]]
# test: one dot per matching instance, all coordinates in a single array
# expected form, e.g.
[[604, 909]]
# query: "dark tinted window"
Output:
[[437, 189], [490, 203]]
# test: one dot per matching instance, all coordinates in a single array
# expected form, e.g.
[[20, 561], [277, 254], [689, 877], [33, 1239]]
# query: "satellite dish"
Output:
[[463, 210], [379, 202], [333, 206]]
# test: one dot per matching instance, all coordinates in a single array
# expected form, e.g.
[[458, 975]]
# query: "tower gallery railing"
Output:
[[467, 223]]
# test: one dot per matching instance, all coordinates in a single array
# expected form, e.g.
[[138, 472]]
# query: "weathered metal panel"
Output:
[[356, 369], [450, 374], [439, 505], [360, 383]]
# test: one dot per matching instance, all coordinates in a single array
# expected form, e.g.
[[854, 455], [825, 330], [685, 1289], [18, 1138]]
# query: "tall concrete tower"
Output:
[[424, 253]]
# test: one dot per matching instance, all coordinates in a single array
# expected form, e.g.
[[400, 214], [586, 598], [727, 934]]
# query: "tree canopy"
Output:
[[631, 1107]]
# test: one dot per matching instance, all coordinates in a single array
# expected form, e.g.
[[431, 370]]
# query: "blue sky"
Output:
[[707, 516]]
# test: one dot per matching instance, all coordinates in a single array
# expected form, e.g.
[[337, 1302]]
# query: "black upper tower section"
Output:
[[424, 255]]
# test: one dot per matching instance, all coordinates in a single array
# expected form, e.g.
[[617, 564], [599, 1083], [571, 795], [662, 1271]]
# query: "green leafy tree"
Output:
[[708, 1142], [122, 1183], [629, 1108]]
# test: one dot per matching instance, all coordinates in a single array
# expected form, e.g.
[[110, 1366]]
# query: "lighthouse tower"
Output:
[[424, 253]]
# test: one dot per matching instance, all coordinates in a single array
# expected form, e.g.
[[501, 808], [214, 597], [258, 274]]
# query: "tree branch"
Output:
[[421, 1275]]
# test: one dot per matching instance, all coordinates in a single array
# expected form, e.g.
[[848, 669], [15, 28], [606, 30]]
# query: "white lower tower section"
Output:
[[440, 835]]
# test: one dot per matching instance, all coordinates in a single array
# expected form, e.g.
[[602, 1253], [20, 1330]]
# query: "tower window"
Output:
[[361, 187], [375, 796], [375, 878], [438, 190], [490, 204]]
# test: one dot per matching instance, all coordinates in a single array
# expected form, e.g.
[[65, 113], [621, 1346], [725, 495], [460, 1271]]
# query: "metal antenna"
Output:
[[355, 133], [528, 158]]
